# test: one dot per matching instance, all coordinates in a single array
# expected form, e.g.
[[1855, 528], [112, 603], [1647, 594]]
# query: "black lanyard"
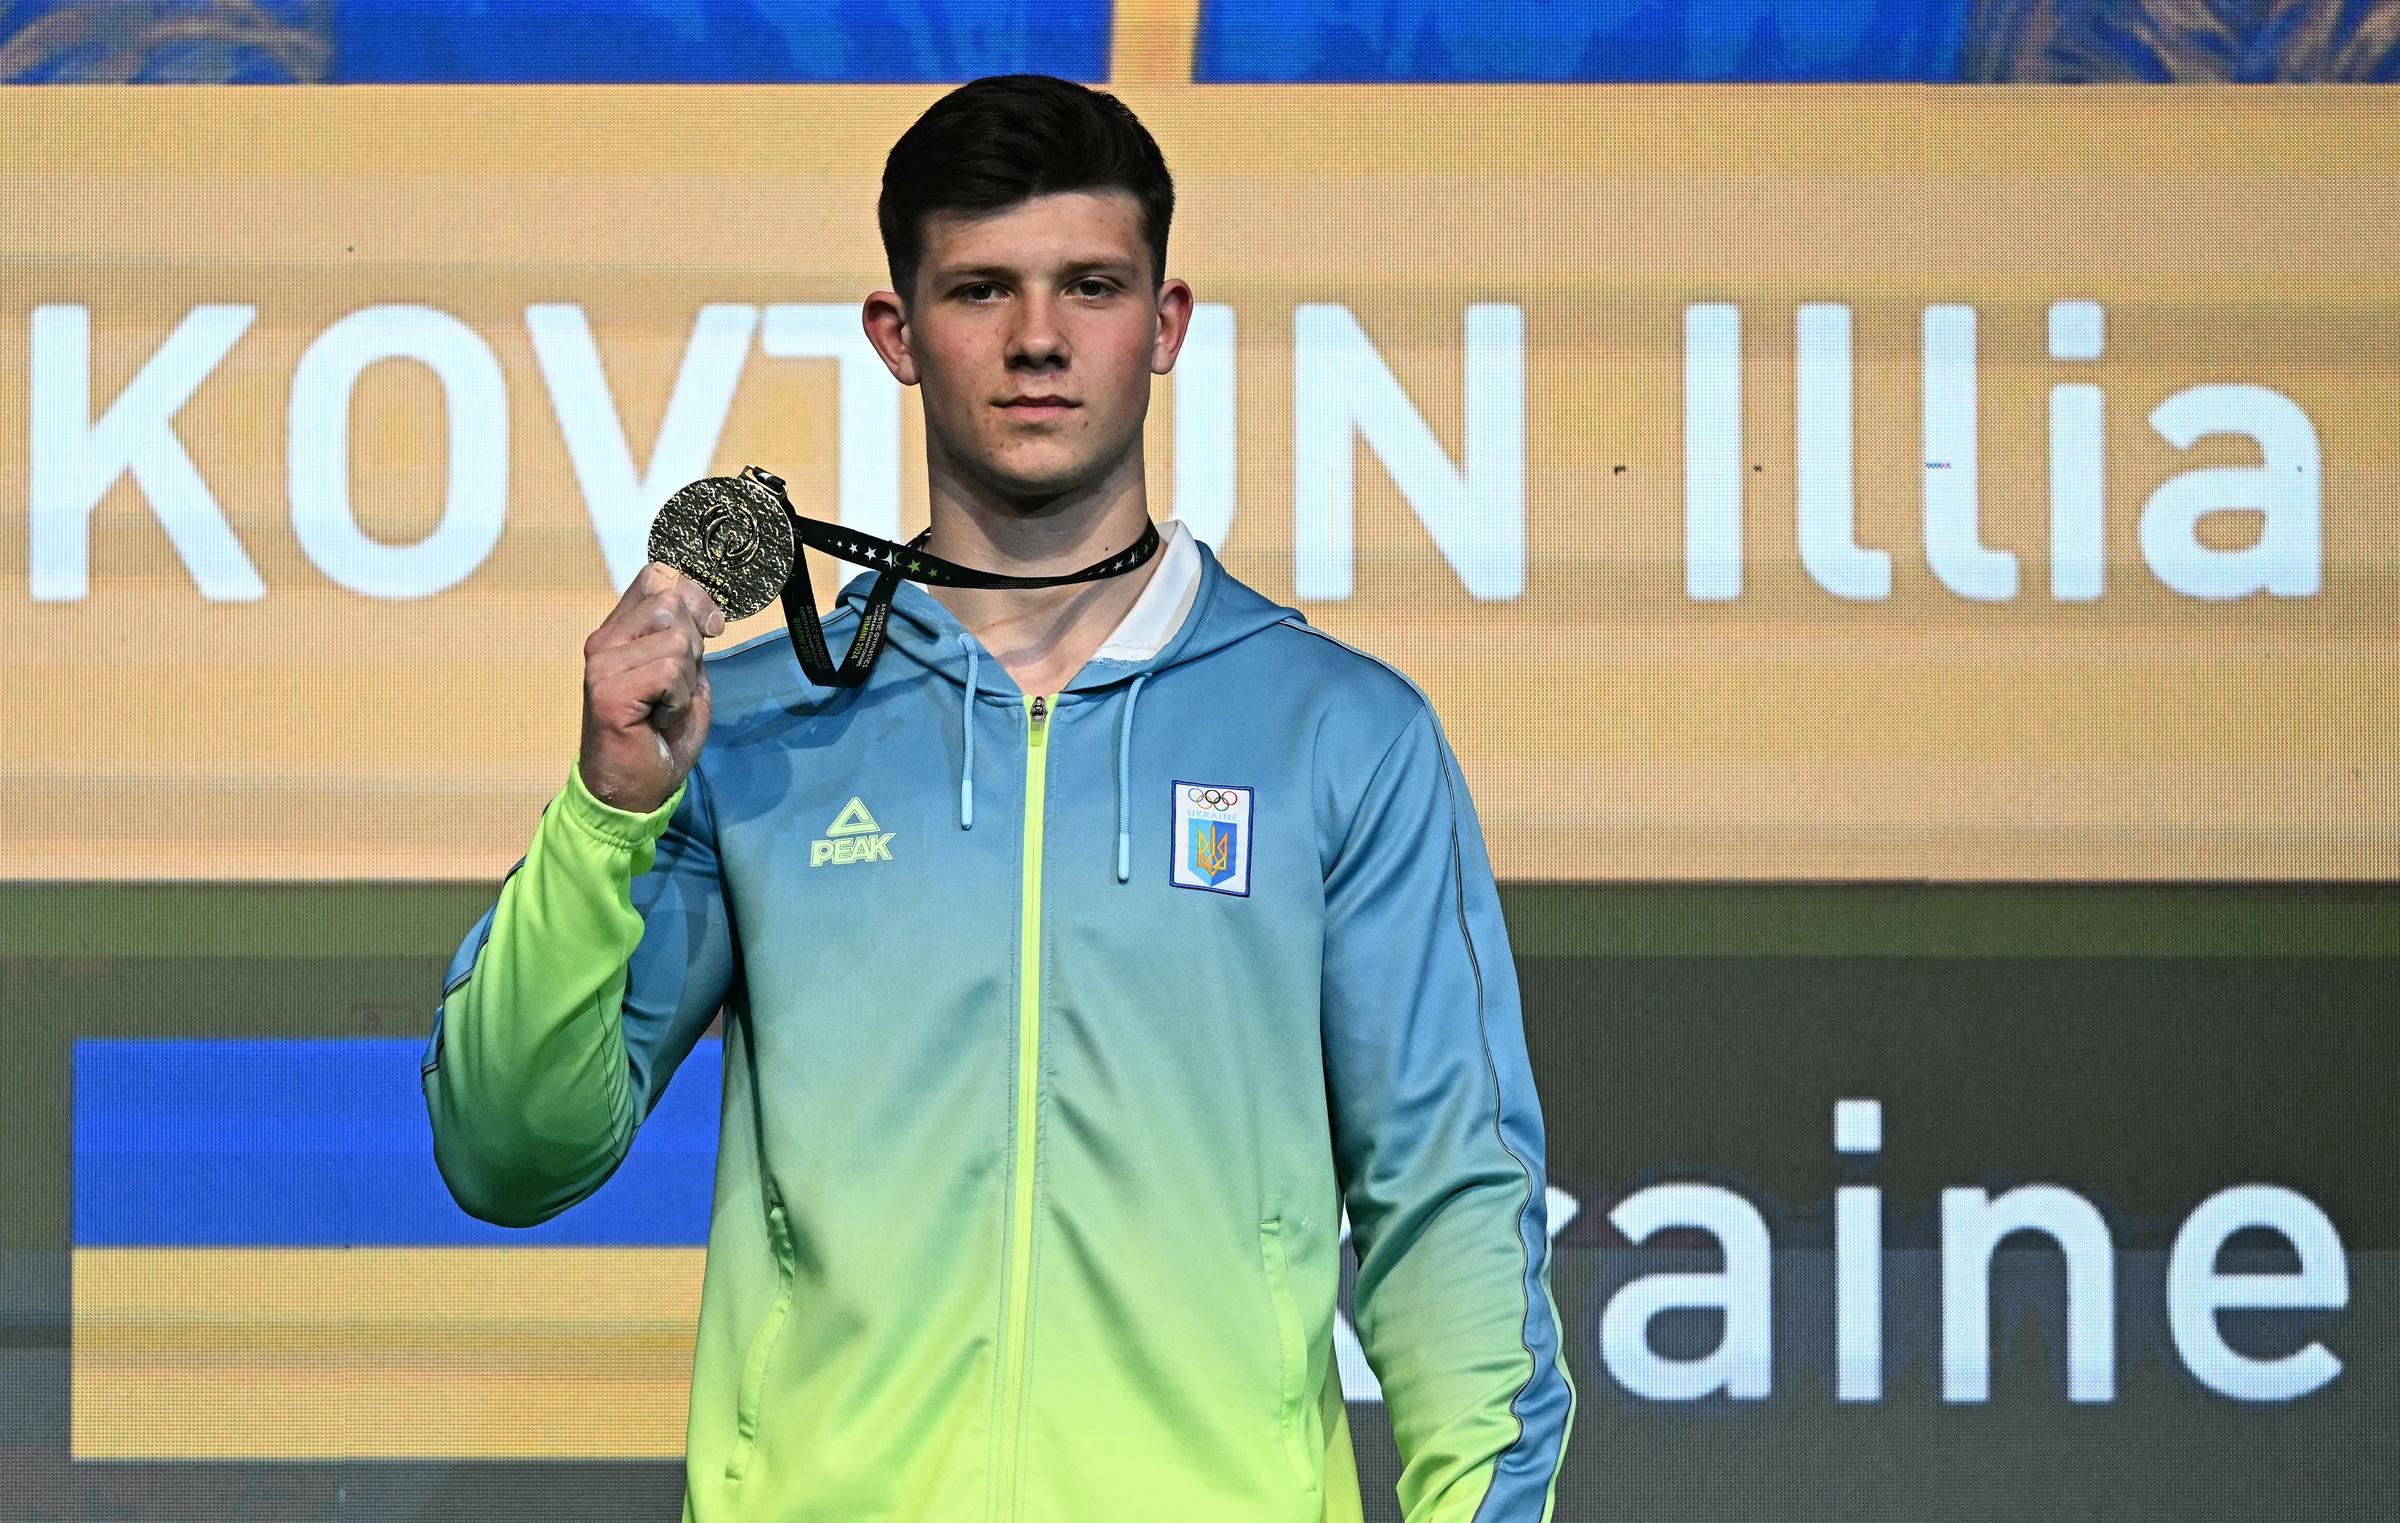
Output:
[[895, 563]]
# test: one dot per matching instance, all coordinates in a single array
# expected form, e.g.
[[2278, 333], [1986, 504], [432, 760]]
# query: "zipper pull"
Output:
[[1041, 708]]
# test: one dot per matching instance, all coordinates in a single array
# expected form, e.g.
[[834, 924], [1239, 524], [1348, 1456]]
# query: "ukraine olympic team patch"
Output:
[[1212, 837]]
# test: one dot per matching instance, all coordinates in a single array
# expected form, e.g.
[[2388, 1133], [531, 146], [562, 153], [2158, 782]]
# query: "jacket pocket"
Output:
[[762, 1347], [1291, 1414]]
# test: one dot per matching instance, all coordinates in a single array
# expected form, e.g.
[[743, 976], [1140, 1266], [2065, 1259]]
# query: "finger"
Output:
[[671, 690], [649, 690], [671, 607], [681, 601], [678, 642], [703, 606], [654, 577]]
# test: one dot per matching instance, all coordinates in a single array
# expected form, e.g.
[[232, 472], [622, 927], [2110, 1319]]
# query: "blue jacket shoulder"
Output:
[[762, 674], [1366, 696]]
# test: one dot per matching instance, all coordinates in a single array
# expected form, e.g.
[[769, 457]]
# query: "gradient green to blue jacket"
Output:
[[1033, 1160]]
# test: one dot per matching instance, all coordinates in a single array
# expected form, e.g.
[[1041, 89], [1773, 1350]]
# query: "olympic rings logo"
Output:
[[1213, 798]]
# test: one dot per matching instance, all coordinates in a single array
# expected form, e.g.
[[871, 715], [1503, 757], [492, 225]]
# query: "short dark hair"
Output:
[[1006, 138]]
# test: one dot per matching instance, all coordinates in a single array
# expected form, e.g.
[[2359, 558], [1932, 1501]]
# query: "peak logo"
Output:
[[852, 837]]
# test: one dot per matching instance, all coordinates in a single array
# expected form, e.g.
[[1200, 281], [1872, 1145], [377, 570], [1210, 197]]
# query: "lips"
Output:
[[1038, 409]]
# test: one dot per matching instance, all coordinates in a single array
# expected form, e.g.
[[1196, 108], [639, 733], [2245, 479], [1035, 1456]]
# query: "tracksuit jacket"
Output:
[[1061, 1031]]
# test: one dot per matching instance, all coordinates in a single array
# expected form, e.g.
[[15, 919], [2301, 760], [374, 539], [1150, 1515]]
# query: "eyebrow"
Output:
[[1080, 267]]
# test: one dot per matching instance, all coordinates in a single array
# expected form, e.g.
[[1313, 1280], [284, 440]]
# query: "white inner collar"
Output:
[[1165, 599]]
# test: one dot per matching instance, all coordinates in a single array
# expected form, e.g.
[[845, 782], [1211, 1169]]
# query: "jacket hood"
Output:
[[921, 633]]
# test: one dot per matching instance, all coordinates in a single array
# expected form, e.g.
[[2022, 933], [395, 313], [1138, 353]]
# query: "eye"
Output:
[[1094, 280], [980, 285]]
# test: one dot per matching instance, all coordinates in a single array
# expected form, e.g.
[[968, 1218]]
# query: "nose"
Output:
[[1037, 338]]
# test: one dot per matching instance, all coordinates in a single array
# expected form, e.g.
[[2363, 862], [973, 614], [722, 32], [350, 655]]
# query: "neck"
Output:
[[1041, 635]]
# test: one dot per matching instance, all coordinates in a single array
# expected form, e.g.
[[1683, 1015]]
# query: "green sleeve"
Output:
[[534, 1089]]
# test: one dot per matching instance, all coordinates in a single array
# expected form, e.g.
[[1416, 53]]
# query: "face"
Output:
[[1052, 297]]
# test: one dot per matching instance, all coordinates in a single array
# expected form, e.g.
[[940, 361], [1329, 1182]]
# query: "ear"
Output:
[[1174, 321], [886, 322]]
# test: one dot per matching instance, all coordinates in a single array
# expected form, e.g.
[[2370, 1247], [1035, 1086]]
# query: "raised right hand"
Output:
[[645, 691]]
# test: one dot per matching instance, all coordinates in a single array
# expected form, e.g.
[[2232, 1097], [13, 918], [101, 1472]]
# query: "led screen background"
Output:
[[1905, 552], [1861, 483]]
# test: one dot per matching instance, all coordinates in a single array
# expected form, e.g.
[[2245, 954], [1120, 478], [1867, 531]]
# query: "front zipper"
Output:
[[1029, 1035]]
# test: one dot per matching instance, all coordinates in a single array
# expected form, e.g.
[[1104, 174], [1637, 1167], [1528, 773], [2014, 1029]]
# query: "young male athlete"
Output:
[[1079, 968]]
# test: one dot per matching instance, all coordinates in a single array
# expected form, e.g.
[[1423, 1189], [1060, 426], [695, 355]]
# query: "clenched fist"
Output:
[[645, 692]]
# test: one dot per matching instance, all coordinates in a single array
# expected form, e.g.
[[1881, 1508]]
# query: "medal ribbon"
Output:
[[895, 563]]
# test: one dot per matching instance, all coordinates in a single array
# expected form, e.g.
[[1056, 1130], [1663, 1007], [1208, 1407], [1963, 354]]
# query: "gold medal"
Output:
[[732, 535]]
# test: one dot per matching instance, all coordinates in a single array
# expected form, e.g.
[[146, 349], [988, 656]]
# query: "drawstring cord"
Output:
[[1124, 792], [966, 771]]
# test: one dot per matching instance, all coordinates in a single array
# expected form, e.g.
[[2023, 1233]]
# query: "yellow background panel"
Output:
[[383, 1353]]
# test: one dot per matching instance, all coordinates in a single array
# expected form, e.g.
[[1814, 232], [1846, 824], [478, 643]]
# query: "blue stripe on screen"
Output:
[[324, 1142], [1620, 41], [717, 41]]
